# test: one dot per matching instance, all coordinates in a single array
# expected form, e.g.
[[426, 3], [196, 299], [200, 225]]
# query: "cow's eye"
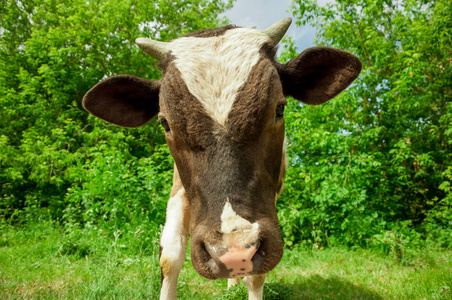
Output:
[[165, 124], [280, 111]]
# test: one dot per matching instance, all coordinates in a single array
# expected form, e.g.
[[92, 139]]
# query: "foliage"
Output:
[[370, 168], [380, 154], [55, 159]]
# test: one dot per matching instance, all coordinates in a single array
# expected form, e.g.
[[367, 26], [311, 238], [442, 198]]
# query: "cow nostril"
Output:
[[257, 244], [259, 256], [214, 251], [207, 255]]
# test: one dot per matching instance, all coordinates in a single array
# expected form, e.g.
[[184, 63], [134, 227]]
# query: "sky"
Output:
[[263, 13]]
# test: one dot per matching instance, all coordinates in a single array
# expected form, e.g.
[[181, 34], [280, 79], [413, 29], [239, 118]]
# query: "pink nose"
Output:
[[238, 261]]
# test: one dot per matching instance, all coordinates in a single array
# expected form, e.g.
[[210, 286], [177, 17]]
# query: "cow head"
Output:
[[221, 102]]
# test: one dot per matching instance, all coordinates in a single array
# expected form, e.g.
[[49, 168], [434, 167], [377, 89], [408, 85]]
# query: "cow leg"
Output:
[[233, 281], [255, 285], [173, 242]]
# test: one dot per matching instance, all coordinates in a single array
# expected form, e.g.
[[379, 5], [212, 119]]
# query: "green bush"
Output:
[[119, 191], [378, 155], [372, 168]]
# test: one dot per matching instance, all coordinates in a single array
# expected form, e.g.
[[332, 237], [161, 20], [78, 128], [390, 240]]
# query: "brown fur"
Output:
[[319, 74], [206, 33], [124, 100]]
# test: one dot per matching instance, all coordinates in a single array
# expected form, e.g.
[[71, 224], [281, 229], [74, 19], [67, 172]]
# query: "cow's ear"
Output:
[[124, 100], [319, 74]]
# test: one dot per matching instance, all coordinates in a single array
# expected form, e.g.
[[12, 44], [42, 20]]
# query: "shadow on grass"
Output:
[[318, 287], [312, 287]]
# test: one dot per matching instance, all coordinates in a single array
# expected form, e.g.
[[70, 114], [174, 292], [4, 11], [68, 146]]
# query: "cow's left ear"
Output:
[[124, 100], [319, 74]]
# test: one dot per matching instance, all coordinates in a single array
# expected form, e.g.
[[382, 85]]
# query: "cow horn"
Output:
[[277, 30], [156, 49]]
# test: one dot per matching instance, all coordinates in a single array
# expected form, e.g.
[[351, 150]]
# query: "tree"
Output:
[[56, 158], [378, 157]]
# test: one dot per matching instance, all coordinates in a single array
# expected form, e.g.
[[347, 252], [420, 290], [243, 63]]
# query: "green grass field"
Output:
[[43, 263]]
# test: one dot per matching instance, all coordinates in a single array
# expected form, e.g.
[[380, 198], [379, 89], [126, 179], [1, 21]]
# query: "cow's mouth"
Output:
[[216, 255]]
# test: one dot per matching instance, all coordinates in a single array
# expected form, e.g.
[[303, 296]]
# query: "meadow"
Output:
[[44, 263]]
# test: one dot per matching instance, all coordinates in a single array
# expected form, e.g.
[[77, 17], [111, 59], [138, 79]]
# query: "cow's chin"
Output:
[[207, 263]]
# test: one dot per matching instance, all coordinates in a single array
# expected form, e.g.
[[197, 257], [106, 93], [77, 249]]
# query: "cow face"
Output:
[[221, 102]]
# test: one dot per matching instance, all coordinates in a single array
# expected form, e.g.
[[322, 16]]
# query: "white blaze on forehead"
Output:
[[215, 68], [237, 232]]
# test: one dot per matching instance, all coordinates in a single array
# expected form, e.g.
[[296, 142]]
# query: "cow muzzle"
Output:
[[216, 258], [238, 261]]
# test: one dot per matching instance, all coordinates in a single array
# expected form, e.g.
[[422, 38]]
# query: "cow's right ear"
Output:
[[124, 100]]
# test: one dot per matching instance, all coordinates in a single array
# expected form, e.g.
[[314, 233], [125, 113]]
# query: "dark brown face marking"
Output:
[[255, 106], [207, 33], [185, 115], [231, 157]]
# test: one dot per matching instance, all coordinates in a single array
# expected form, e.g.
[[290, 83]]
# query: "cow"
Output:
[[221, 103]]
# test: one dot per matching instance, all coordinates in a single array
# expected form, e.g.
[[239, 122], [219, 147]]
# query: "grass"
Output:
[[43, 263]]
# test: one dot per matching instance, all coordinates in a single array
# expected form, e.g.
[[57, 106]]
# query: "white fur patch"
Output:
[[237, 232], [215, 68], [173, 243], [174, 229]]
